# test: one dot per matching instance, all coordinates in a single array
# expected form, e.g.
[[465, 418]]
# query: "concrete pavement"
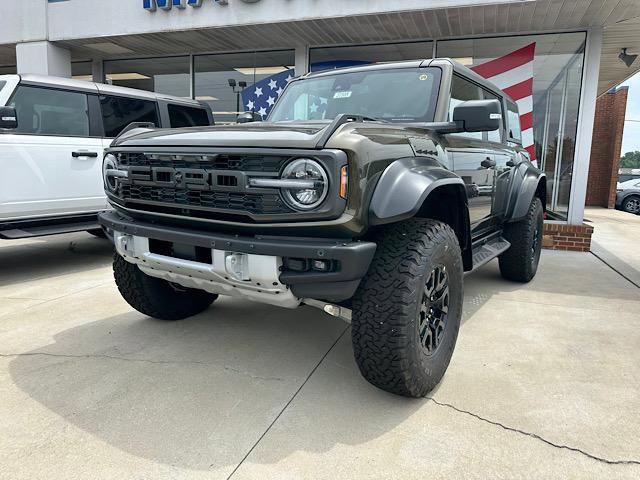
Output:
[[616, 240], [543, 383]]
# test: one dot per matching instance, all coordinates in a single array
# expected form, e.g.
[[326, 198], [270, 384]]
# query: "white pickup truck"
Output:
[[52, 135]]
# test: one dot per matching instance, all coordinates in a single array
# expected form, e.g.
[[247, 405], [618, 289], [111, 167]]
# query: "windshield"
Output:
[[394, 95]]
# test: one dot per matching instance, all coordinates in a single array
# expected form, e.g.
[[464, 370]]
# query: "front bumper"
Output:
[[351, 260]]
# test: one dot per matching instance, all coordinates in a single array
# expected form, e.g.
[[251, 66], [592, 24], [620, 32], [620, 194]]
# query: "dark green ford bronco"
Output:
[[367, 192]]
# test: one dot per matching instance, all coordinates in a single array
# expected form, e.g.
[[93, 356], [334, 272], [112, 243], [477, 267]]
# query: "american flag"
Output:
[[513, 73], [261, 96]]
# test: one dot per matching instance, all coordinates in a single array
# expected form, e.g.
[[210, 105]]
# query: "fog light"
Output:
[[237, 265], [320, 265]]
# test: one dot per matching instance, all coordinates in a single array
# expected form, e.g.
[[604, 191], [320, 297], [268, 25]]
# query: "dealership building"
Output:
[[218, 51]]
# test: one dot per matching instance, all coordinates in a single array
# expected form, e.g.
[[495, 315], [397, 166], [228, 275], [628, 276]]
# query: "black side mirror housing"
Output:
[[478, 115], [247, 117], [8, 118]]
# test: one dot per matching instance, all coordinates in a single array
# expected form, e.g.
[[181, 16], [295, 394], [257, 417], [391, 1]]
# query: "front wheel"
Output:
[[631, 204], [520, 261], [155, 297], [406, 312]]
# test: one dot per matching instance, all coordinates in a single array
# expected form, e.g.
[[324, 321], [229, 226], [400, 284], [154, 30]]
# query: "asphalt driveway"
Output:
[[544, 382]]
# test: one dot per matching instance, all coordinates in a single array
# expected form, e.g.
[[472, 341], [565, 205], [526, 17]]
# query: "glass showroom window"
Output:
[[167, 75], [233, 83], [81, 71], [336, 57], [553, 97]]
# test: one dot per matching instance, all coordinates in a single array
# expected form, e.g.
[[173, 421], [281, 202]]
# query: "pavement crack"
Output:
[[143, 360], [535, 436], [277, 417]]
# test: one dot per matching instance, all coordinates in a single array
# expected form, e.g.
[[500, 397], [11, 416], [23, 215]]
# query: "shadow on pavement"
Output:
[[194, 394], [51, 256]]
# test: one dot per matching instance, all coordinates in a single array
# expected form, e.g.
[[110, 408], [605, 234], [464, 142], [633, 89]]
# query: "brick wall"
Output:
[[605, 148], [560, 236]]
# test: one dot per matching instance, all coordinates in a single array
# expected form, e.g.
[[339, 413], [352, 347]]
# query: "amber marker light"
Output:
[[344, 180]]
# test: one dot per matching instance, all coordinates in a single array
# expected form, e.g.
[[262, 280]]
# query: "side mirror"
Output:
[[8, 118], [247, 117], [478, 115]]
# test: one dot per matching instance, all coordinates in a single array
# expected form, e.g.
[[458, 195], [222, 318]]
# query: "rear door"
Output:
[[505, 160], [51, 164]]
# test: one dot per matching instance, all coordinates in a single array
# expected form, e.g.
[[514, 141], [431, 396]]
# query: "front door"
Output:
[[50, 164]]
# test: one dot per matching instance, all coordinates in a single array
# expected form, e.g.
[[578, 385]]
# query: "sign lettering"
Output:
[[153, 5]]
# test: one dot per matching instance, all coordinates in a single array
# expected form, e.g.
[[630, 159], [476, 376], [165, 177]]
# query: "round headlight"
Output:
[[109, 163], [305, 169]]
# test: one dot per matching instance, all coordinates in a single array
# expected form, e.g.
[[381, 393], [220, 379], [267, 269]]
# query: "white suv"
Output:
[[52, 135]]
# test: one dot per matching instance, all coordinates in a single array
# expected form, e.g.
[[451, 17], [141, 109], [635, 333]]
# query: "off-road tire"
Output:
[[520, 262], [387, 307], [630, 203], [155, 297]]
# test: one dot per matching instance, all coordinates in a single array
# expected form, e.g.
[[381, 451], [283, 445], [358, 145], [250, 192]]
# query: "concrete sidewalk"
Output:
[[616, 240], [544, 382]]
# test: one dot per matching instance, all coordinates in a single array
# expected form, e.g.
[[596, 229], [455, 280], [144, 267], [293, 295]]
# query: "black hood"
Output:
[[259, 134]]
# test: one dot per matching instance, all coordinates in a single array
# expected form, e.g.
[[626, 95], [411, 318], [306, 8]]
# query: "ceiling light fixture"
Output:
[[262, 70], [126, 76], [626, 58]]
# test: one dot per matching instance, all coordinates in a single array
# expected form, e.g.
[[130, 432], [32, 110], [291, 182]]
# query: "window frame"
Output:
[[92, 131], [160, 123], [484, 90], [508, 122], [204, 108]]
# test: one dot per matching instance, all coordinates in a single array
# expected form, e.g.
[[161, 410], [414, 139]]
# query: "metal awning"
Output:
[[620, 20]]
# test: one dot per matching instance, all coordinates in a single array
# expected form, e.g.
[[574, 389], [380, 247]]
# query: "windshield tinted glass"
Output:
[[395, 95]]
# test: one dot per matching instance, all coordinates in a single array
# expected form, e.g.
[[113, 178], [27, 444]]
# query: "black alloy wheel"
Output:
[[434, 310]]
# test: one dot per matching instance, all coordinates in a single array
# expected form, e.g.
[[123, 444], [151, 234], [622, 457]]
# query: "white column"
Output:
[[97, 70], [588, 94], [43, 58], [302, 60]]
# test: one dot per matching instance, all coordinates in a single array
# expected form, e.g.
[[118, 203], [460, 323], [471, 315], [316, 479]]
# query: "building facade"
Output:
[[237, 55]]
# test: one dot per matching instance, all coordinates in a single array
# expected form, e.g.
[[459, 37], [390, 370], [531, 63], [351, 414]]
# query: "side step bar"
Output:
[[488, 251], [42, 230]]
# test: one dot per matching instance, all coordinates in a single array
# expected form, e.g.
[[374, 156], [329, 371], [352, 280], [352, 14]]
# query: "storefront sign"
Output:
[[153, 5]]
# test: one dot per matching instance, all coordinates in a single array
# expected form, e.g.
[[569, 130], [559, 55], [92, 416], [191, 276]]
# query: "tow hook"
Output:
[[330, 308]]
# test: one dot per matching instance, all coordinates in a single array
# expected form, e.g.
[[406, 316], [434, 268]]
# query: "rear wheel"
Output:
[[406, 312], [155, 297], [520, 261], [631, 204]]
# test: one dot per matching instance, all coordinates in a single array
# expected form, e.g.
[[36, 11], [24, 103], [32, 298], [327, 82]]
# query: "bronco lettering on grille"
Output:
[[190, 178]]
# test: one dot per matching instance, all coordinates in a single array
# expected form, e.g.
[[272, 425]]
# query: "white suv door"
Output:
[[50, 164]]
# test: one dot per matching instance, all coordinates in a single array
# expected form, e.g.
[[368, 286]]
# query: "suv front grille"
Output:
[[248, 163], [255, 204], [210, 186]]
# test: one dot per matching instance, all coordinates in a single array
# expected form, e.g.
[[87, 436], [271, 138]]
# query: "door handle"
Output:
[[82, 153], [488, 163]]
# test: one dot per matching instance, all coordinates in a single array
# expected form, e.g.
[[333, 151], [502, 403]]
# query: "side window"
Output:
[[494, 135], [118, 112], [182, 116], [513, 120], [461, 91], [46, 111]]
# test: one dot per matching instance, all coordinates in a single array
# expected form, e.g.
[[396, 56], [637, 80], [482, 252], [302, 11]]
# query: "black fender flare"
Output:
[[404, 186], [525, 183]]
